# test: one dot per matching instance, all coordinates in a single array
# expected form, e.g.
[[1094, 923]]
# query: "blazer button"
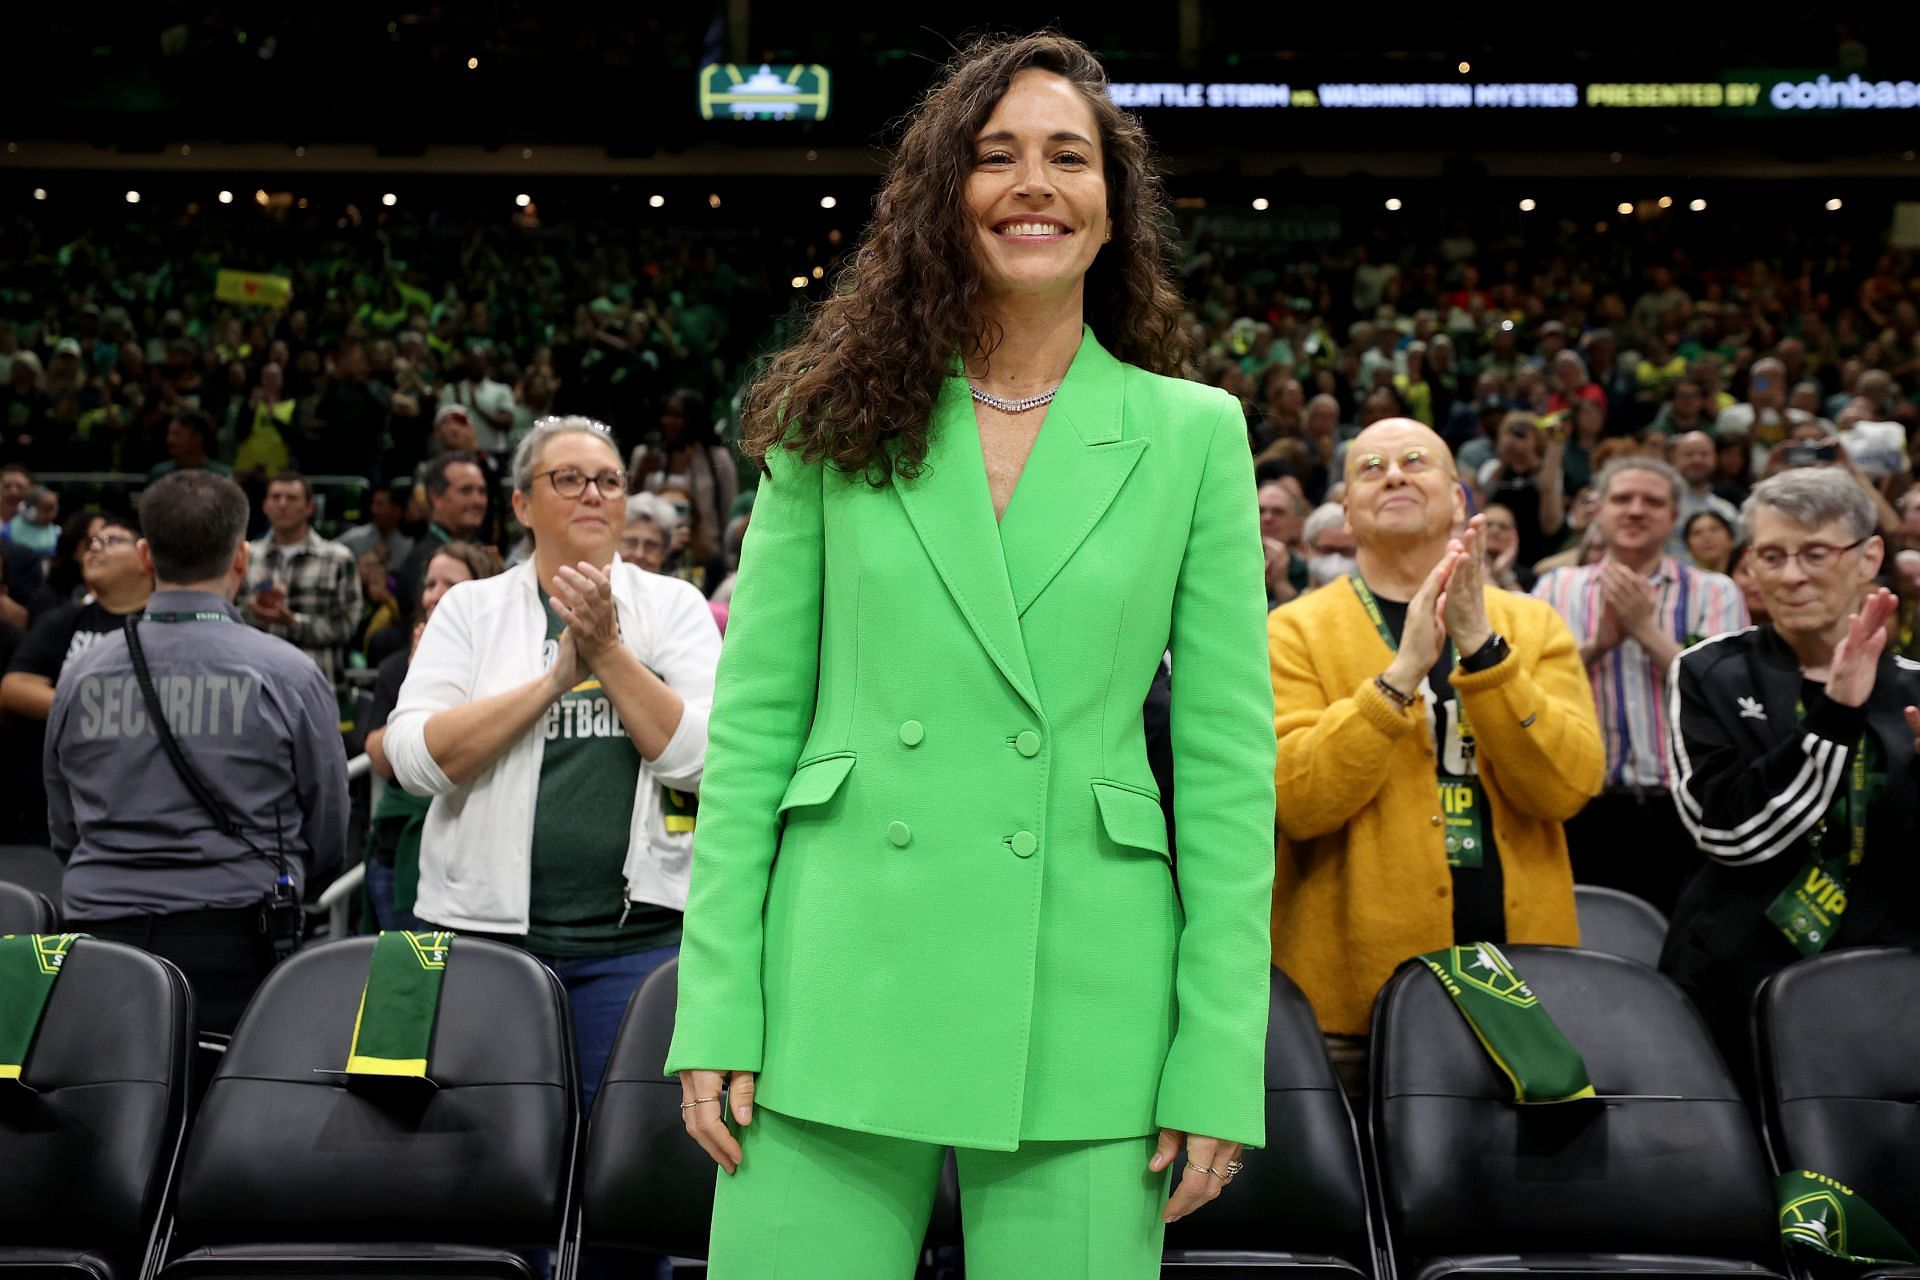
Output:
[[1027, 744], [1024, 843], [912, 733], [898, 834], [1434, 820]]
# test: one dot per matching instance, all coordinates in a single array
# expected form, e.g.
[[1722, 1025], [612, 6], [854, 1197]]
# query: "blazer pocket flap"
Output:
[[815, 781], [1132, 817]]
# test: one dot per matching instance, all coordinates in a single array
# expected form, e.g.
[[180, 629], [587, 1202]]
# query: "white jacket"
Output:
[[487, 637]]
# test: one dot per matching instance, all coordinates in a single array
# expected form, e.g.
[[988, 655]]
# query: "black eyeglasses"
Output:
[[571, 482]]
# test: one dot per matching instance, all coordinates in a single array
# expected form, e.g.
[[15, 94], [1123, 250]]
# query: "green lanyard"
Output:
[[1462, 799], [203, 615], [1808, 910]]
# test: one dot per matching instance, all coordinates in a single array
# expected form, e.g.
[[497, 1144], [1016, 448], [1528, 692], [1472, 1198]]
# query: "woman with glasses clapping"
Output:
[[557, 714]]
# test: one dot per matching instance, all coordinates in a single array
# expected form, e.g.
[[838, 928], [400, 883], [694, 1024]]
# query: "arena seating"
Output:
[[287, 1169], [1671, 1179], [1300, 1207], [34, 866], [24, 910], [291, 1170], [1840, 1076], [90, 1135], [1619, 924]]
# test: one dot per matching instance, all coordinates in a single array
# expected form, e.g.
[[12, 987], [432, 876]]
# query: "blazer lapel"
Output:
[[1078, 464], [952, 512]]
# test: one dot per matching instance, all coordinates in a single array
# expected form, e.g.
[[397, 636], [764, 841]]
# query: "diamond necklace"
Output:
[[1011, 406]]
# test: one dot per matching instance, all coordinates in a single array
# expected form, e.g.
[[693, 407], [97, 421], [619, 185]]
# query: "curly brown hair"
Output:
[[858, 388]]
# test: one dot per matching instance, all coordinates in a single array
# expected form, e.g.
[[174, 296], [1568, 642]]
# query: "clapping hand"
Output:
[[1424, 635], [1629, 597], [1463, 605], [584, 600], [1856, 659]]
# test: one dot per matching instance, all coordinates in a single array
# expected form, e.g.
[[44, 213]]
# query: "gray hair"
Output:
[[1812, 497], [1620, 466], [526, 455], [655, 510], [1326, 517]]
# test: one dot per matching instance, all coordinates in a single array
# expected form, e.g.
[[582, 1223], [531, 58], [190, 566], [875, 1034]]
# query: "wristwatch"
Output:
[[1487, 655]]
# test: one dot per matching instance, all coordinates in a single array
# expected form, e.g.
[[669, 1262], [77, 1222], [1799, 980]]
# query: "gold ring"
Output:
[[1233, 1168], [1198, 1169], [697, 1101]]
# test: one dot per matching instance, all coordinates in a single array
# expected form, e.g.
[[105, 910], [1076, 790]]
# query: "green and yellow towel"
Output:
[[1818, 1213], [1506, 1017], [29, 962], [394, 1028]]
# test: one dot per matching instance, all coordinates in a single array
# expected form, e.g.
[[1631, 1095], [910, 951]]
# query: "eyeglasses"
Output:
[[1415, 461], [1814, 557], [108, 541], [570, 482]]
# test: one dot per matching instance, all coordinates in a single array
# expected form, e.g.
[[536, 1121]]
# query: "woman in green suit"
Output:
[[931, 904]]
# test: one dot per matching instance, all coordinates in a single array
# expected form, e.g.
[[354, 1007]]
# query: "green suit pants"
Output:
[[811, 1200]]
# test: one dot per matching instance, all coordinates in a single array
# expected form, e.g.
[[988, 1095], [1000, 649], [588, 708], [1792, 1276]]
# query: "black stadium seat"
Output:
[[1838, 1049], [88, 1147], [645, 1184], [1620, 924], [24, 910], [1300, 1206], [35, 866], [291, 1171], [1474, 1185]]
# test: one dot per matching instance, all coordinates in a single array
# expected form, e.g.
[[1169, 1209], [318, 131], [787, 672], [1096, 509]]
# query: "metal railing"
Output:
[[78, 489]]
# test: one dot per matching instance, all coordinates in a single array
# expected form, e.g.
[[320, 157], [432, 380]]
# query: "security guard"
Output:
[[195, 843]]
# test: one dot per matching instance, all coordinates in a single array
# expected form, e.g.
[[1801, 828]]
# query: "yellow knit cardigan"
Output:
[[1361, 880]]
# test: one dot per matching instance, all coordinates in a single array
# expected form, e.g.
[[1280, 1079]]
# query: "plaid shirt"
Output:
[[323, 593]]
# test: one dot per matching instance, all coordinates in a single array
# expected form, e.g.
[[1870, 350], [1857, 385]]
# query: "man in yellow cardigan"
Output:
[[1434, 732]]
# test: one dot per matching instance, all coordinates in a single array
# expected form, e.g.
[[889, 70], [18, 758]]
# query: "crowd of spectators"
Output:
[[1539, 364], [1606, 407]]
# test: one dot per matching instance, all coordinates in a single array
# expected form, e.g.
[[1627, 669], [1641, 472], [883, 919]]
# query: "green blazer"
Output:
[[931, 894]]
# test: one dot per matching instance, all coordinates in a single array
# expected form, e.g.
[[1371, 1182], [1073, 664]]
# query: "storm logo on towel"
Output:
[[1491, 973]]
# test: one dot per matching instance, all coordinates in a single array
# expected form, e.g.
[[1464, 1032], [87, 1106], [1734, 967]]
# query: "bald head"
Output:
[[1402, 497], [1391, 437]]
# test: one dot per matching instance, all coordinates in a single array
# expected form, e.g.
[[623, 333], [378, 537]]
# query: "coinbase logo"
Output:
[[1853, 93]]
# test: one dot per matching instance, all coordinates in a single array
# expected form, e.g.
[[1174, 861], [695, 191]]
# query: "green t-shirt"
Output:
[[581, 823]]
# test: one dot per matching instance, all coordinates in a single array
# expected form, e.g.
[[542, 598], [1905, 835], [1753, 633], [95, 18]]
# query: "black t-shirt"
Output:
[[386, 688], [61, 635], [1520, 494], [1479, 912]]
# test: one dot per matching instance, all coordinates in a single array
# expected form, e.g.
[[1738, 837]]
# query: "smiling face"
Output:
[[109, 562], [1810, 602], [1636, 512], [1708, 540], [588, 525], [1037, 193], [1400, 484], [443, 574]]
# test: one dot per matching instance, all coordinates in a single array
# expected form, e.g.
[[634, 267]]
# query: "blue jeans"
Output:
[[380, 900], [598, 989]]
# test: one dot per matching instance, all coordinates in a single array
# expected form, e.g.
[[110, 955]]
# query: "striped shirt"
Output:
[[1629, 693]]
